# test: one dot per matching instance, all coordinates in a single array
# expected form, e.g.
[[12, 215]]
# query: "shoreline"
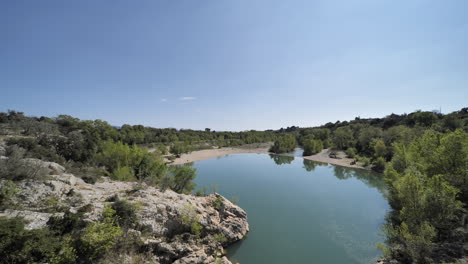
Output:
[[221, 152], [205, 154], [343, 161]]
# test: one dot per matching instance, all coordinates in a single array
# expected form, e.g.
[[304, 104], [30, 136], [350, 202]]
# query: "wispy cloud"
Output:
[[164, 100], [187, 98]]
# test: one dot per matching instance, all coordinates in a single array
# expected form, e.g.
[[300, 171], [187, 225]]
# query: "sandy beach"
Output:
[[219, 152], [342, 161]]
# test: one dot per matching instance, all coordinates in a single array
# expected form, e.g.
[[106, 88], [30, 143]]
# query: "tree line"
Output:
[[423, 156]]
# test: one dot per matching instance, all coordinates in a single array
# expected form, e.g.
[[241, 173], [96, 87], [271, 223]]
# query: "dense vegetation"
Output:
[[284, 144], [424, 157], [69, 239]]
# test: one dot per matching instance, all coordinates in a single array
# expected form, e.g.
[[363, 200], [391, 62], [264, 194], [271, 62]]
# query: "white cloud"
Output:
[[164, 100], [187, 98]]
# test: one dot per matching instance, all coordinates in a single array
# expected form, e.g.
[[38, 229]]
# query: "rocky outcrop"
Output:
[[160, 213]]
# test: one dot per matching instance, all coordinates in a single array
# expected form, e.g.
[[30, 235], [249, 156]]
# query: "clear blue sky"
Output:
[[232, 65]]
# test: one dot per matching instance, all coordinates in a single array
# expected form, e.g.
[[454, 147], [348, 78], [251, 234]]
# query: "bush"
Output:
[[15, 168], [189, 218], [126, 163], [351, 153], [365, 161], [220, 238], [8, 189], [19, 245], [126, 213], [312, 146], [379, 164], [124, 173], [183, 180], [100, 237], [218, 202], [284, 144]]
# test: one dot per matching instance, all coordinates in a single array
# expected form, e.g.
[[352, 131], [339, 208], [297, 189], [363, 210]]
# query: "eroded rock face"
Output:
[[160, 213]]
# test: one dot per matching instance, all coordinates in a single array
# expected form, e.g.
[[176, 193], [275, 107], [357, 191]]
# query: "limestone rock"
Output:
[[161, 212]]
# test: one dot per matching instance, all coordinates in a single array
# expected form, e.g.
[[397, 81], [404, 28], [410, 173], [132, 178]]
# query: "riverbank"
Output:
[[263, 148], [341, 160], [260, 148]]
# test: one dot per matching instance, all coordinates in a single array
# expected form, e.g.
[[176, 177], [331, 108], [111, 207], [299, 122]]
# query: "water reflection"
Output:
[[310, 165], [281, 159], [370, 178]]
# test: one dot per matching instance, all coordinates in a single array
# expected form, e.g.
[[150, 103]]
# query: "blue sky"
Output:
[[232, 65]]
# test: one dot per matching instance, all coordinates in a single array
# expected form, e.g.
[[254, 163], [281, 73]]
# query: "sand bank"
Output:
[[219, 152], [342, 161]]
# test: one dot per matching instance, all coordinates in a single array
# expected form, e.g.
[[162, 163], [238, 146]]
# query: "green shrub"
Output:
[[196, 229], [8, 189], [218, 202], [189, 218], [15, 168], [284, 144], [379, 164], [126, 213], [124, 173], [351, 152], [19, 245], [100, 237], [220, 238], [312, 146], [183, 180], [365, 161]]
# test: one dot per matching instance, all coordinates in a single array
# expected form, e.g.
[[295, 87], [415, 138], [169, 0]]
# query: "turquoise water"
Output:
[[300, 211]]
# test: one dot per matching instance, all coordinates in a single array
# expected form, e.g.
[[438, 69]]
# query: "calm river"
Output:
[[300, 211]]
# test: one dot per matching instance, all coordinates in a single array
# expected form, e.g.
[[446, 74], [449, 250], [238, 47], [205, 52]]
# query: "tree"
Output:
[[183, 180], [285, 143], [379, 164], [312, 146], [366, 135], [380, 150], [343, 138]]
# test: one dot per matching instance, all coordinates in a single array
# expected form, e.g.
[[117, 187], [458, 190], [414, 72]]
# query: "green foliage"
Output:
[[366, 137], [180, 148], [15, 168], [424, 118], [126, 213], [8, 189], [365, 161], [183, 180], [312, 146], [220, 238], [162, 149], [99, 237], [351, 152], [196, 229], [128, 163], [19, 245], [380, 150], [218, 202], [343, 138], [124, 173], [284, 144], [189, 218], [417, 241], [379, 164]]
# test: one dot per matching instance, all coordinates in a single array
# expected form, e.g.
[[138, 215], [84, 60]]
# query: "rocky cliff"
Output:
[[160, 212]]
